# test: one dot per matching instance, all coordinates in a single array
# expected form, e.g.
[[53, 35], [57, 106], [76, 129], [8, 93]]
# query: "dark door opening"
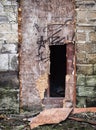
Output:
[[57, 70]]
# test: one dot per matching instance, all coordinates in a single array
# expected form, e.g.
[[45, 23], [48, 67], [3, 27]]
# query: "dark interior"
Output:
[[57, 70]]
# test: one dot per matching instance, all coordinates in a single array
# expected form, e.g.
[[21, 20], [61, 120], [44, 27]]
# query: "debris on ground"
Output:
[[50, 116], [77, 121]]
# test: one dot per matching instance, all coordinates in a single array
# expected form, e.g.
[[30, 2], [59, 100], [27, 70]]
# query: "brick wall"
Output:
[[9, 83], [86, 52]]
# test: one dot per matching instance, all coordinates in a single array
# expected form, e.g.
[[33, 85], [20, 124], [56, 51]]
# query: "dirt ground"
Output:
[[10, 122]]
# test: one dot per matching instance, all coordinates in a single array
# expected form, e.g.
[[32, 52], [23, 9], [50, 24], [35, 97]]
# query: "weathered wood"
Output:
[[50, 116]]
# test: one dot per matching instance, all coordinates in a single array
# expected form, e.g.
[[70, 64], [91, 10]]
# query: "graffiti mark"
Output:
[[41, 44], [37, 27], [55, 33], [58, 34], [55, 38]]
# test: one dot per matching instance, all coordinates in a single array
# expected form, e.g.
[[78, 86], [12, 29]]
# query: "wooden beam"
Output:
[[80, 110]]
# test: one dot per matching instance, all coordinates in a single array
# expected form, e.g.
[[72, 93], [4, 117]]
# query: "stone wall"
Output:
[[9, 83], [37, 16], [86, 52]]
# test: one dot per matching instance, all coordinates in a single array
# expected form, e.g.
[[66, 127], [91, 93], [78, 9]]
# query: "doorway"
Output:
[[57, 71]]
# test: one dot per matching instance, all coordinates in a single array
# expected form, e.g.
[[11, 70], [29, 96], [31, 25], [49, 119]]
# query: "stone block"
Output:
[[80, 58], [86, 69], [9, 80], [85, 28], [86, 5], [80, 91], [90, 92], [9, 2], [80, 48], [5, 28], [0, 46], [80, 79], [92, 36], [12, 17], [13, 62], [91, 80], [3, 62], [3, 19], [81, 36], [9, 101], [1, 41], [94, 68], [1, 8], [9, 48], [81, 16], [91, 16], [10, 8], [11, 37], [86, 91], [91, 102], [81, 102], [90, 47], [91, 58], [15, 27], [89, 3], [1, 36]]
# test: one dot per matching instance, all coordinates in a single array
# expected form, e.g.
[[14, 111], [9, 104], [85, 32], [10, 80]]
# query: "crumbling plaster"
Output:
[[40, 22]]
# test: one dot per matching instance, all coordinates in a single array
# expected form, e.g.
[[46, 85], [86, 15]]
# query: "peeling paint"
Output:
[[42, 84], [69, 97], [68, 77]]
